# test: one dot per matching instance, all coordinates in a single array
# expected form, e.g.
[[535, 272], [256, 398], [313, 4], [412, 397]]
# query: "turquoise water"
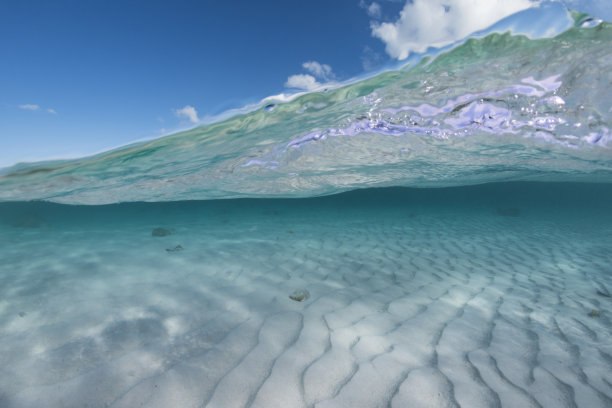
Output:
[[481, 296], [438, 234]]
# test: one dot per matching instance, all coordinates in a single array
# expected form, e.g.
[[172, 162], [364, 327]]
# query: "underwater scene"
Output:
[[437, 234]]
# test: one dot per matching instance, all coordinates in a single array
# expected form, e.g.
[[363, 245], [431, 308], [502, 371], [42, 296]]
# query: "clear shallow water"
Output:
[[478, 293], [480, 296]]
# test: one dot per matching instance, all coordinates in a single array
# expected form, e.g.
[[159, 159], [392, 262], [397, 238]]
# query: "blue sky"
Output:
[[116, 71], [77, 77]]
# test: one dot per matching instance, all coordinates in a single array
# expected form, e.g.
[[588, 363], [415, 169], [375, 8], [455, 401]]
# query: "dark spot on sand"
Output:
[[175, 249], [161, 232], [604, 294], [22, 314], [299, 295], [594, 313]]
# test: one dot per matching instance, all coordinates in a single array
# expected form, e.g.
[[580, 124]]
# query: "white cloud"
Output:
[[51, 111], [302, 81], [374, 10], [307, 82], [28, 106], [424, 23], [321, 71], [188, 112]]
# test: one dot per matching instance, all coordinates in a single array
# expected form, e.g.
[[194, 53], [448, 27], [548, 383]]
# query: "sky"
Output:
[[79, 77]]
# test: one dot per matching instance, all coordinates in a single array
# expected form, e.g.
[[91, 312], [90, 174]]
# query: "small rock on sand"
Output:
[[161, 232], [594, 313], [299, 295]]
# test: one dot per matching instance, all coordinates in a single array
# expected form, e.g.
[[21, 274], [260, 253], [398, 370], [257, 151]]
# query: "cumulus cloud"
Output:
[[302, 81], [308, 82], [321, 71], [188, 112], [374, 10], [424, 23], [28, 106]]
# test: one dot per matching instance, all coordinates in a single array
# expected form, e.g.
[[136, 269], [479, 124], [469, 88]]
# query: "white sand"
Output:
[[437, 309]]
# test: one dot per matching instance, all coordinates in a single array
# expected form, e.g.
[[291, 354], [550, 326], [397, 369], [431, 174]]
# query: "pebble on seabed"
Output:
[[299, 295], [161, 232], [594, 313]]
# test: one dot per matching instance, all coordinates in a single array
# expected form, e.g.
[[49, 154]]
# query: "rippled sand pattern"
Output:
[[407, 308]]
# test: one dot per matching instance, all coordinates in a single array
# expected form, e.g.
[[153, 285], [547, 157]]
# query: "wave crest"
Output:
[[495, 108]]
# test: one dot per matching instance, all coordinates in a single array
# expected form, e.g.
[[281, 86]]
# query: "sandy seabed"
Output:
[[410, 302]]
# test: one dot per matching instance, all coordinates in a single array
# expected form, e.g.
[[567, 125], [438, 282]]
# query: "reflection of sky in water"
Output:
[[596, 8]]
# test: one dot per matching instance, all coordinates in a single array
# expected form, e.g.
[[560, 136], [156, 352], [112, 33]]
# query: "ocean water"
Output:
[[436, 235]]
